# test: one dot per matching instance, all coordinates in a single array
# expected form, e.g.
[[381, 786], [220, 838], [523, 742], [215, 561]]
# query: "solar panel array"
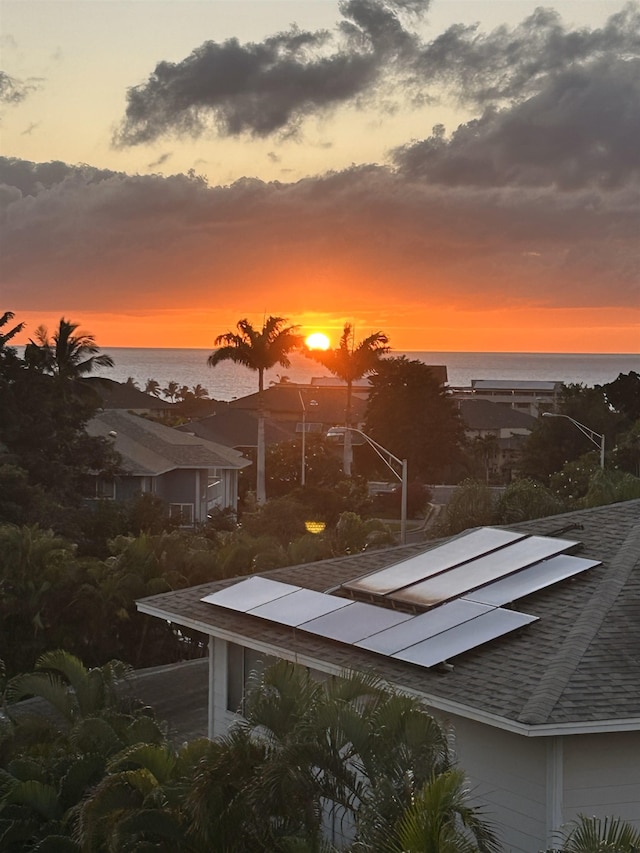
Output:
[[425, 639], [460, 587]]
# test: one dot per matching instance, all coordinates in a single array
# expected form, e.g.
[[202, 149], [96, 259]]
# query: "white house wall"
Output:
[[602, 776], [508, 775]]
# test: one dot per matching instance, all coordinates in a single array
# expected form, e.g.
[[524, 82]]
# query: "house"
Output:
[[236, 428], [532, 396], [301, 407], [545, 718], [192, 475], [498, 432], [120, 395]]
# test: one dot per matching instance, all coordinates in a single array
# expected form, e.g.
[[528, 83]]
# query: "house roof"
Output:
[[320, 405], [484, 414], [576, 669], [235, 428], [548, 386], [119, 395], [151, 448]]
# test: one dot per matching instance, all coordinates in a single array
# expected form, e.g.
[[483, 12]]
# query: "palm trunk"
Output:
[[348, 445], [261, 489]]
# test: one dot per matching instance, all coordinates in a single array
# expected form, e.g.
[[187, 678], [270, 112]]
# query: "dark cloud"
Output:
[[97, 240], [269, 87], [14, 91], [515, 63], [582, 128]]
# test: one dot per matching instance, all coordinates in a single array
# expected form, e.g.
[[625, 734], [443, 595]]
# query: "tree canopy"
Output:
[[409, 412], [351, 361], [257, 349]]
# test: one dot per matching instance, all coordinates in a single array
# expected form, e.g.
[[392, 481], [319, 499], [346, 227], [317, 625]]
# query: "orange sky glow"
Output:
[[523, 330]]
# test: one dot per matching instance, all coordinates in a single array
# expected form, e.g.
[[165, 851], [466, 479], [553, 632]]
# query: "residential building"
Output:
[[545, 719], [192, 475], [526, 395], [497, 433]]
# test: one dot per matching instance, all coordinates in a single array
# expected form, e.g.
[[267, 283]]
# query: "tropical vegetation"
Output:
[[351, 361], [259, 350], [310, 765]]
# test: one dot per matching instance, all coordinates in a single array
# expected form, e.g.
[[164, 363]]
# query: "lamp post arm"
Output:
[[386, 457], [593, 436], [382, 452]]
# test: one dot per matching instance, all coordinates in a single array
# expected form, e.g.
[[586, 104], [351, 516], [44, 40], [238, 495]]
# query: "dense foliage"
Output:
[[345, 759], [409, 412]]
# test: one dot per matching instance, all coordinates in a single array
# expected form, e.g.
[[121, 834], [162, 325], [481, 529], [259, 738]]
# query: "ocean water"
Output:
[[228, 380]]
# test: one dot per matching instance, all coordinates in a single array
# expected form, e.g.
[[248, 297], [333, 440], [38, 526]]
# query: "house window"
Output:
[[243, 665], [105, 489], [183, 513]]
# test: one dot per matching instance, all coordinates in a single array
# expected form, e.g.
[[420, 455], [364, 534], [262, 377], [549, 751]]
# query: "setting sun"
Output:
[[318, 340]]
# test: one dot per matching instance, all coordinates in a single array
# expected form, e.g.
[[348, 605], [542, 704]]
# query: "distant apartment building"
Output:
[[531, 396]]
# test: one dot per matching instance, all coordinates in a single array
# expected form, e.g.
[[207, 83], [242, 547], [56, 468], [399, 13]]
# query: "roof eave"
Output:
[[437, 702]]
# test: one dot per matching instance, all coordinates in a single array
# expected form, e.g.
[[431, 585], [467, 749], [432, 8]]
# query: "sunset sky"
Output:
[[462, 175]]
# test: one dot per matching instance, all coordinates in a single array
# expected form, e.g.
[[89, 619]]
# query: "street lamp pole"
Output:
[[304, 439], [387, 457], [593, 436]]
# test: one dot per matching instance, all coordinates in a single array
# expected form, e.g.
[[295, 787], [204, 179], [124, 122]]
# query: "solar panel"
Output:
[[531, 580], [355, 622], [301, 606], [439, 559], [249, 593], [476, 573], [464, 637], [424, 625]]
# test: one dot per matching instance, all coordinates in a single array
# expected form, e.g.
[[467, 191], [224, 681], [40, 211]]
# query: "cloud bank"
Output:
[[533, 204]]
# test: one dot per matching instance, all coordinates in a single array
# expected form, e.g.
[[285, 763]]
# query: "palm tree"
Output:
[[172, 390], [439, 820], [259, 351], [350, 362], [68, 354], [594, 835], [152, 387], [10, 333], [199, 392]]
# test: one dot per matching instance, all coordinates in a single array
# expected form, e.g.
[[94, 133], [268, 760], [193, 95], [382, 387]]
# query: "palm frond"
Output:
[[602, 835]]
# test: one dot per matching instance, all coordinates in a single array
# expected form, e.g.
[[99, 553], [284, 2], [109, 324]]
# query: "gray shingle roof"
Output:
[[148, 447], [580, 663], [484, 414]]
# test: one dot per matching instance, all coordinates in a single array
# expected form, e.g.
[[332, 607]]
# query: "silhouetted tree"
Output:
[[258, 350], [409, 413], [351, 361], [68, 354]]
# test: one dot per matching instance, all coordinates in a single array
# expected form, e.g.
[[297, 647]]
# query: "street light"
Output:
[[304, 436], [591, 434], [386, 456]]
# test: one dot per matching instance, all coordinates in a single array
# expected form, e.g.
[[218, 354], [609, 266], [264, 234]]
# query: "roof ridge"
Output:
[[583, 632]]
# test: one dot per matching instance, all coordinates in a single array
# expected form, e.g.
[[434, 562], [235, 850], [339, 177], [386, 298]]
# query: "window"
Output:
[[182, 512], [105, 489], [243, 665]]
